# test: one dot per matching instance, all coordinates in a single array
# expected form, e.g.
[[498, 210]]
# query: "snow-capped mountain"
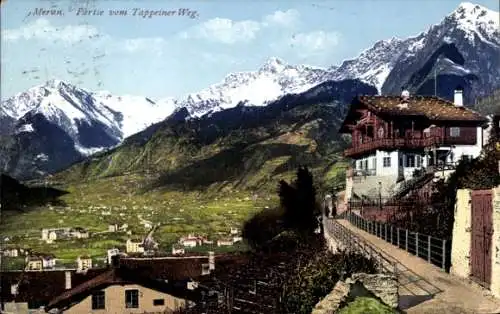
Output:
[[463, 49], [273, 80], [50, 126], [76, 111], [389, 65]]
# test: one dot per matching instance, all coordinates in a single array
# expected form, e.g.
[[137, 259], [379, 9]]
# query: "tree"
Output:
[[298, 202]]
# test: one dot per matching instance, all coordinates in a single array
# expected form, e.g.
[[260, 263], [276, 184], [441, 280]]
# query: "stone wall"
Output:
[[331, 242], [381, 286], [495, 245], [460, 246]]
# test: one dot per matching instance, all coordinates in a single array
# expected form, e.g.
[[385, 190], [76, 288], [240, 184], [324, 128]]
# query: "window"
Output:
[[98, 300], [454, 132], [401, 161], [374, 163], [419, 161], [157, 302], [366, 164], [410, 161], [131, 299], [387, 162], [380, 132]]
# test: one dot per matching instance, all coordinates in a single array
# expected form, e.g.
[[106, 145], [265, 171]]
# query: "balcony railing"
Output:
[[408, 142]]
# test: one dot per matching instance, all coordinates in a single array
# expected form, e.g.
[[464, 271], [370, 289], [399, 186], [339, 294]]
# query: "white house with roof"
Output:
[[393, 136]]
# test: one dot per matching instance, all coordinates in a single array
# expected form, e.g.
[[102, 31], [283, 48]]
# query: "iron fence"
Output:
[[354, 243], [431, 249]]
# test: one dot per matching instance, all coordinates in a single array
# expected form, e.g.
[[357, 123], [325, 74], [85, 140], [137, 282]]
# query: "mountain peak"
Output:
[[54, 83], [274, 64], [475, 14]]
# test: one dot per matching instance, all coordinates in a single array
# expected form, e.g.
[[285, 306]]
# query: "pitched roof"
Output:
[[430, 107], [170, 268], [39, 287], [118, 276], [434, 108]]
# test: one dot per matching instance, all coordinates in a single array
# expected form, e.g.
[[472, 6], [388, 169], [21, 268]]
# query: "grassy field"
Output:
[[110, 200]]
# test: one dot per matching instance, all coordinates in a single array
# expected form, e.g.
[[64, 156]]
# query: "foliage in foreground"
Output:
[[366, 305], [298, 211], [316, 279]]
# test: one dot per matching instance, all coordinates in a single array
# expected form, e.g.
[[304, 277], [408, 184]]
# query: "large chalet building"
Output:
[[393, 136]]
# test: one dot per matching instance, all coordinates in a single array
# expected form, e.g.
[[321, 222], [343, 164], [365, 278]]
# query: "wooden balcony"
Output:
[[408, 143]]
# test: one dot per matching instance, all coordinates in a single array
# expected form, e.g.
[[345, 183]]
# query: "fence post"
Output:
[[429, 249], [406, 239], [416, 244], [397, 231], [392, 231], [443, 262], [385, 232]]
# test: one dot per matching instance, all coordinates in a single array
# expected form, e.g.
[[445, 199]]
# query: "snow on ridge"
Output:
[[87, 151], [25, 128]]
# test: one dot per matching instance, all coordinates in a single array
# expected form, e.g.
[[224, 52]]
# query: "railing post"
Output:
[[443, 262], [386, 232], [429, 249], [406, 242], [397, 235], [416, 244], [392, 231]]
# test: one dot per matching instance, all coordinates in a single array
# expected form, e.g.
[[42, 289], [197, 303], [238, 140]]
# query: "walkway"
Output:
[[424, 288]]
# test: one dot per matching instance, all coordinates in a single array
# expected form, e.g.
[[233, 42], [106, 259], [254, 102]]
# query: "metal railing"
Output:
[[354, 243], [431, 249]]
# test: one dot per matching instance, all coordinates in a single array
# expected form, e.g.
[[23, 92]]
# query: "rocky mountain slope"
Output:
[[463, 49], [389, 65], [241, 147], [48, 127]]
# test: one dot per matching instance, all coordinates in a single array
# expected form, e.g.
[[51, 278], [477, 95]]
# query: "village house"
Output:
[[34, 263], [134, 246], [178, 249], [40, 262], [112, 227], [52, 234], [83, 263], [207, 241], [234, 231], [227, 241], [11, 252], [191, 241], [79, 233], [393, 136], [58, 289], [237, 239]]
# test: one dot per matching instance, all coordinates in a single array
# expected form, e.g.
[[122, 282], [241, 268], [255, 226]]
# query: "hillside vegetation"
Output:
[[200, 175]]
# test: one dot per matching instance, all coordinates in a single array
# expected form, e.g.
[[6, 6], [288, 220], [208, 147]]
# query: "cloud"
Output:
[[224, 30], [153, 44], [288, 18], [314, 42], [43, 30], [230, 32]]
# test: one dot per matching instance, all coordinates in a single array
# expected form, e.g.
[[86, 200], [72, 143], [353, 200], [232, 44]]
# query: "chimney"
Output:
[[211, 260], [67, 276], [458, 98], [405, 95]]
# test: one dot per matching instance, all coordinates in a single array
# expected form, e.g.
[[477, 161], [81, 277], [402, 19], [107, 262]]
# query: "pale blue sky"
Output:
[[167, 56]]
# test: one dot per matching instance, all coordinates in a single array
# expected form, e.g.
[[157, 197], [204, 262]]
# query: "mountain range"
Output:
[[50, 127]]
